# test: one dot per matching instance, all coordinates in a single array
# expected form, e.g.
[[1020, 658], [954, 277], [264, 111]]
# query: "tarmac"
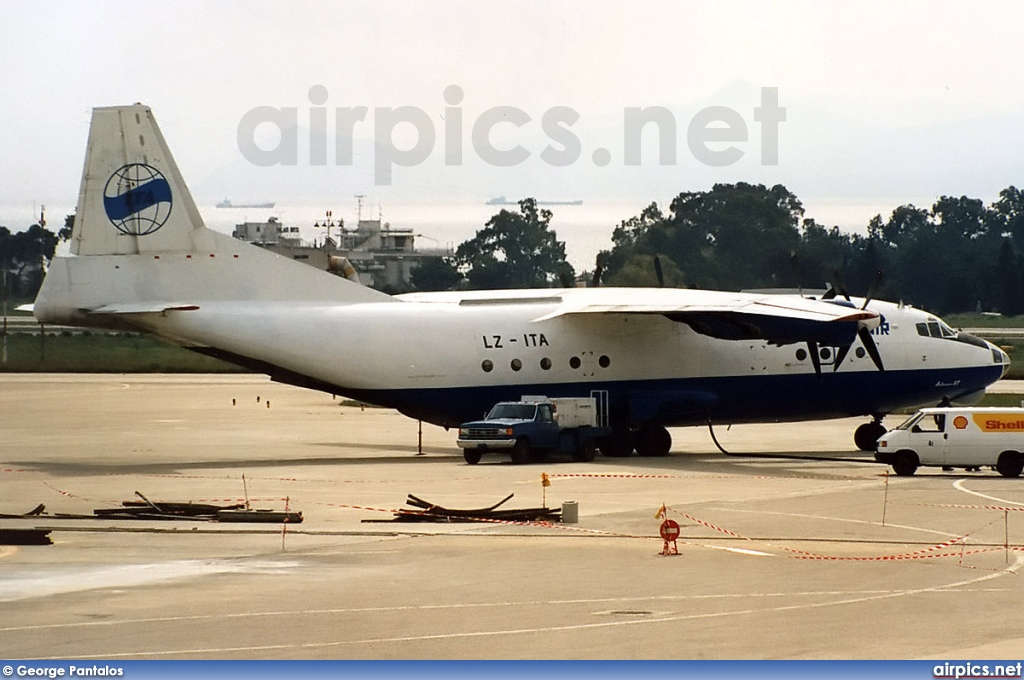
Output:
[[802, 549]]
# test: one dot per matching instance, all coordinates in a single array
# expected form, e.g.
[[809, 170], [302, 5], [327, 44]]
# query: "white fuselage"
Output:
[[446, 362]]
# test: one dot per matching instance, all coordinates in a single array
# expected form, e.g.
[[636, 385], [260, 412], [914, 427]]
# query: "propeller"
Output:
[[873, 288], [863, 333], [658, 272], [812, 350], [871, 347], [865, 337], [837, 287]]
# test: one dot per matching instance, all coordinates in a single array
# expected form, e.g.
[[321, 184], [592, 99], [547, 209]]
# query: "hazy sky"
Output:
[[908, 100]]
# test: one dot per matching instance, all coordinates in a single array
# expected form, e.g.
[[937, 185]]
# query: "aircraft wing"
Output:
[[779, 319]]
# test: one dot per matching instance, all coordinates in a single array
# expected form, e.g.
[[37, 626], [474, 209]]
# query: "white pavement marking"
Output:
[[959, 486], [870, 596]]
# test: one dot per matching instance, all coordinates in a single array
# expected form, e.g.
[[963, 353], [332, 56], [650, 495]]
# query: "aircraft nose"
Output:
[[1004, 359], [999, 357]]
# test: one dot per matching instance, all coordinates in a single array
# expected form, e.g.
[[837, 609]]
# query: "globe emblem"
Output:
[[137, 199]]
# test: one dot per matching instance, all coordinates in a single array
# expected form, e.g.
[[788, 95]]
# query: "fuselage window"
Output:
[[545, 363], [517, 364], [574, 362], [487, 365], [604, 361]]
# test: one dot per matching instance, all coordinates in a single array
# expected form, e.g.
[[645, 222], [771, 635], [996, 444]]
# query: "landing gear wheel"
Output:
[[619, 444], [866, 436], [586, 452], [905, 463], [521, 451], [1010, 464], [472, 456], [653, 441]]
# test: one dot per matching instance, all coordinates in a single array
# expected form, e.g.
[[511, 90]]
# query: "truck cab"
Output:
[[529, 428], [953, 437]]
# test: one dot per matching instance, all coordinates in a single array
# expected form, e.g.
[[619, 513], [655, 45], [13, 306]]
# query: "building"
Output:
[[383, 257]]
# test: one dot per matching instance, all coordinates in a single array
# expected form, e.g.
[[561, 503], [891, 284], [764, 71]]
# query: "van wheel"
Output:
[[905, 463], [472, 456], [521, 451], [1010, 464]]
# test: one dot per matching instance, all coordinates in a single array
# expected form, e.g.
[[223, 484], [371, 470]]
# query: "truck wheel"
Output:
[[1010, 464], [905, 463], [866, 436], [521, 451], [472, 456], [619, 444], [586, 452], [653, 441]]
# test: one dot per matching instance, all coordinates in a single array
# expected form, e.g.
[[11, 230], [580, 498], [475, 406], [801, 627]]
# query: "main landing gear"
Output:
[[649, 441], [866, 436]]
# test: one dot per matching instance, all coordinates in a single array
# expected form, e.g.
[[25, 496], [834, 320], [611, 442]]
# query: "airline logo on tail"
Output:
[[137, 199]]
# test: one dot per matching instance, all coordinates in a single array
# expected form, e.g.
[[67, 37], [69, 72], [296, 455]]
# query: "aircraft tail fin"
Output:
[[139, 244], [133, 199]]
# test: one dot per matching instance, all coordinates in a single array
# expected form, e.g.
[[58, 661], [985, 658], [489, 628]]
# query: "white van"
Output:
[[956, 437]]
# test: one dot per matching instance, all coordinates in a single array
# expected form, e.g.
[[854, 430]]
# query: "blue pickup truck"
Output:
[[532, 427]]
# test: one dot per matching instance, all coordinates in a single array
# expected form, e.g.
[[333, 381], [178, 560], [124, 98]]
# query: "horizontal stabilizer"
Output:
[[144, 308]]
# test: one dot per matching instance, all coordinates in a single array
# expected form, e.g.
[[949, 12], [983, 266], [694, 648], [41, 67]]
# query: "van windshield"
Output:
[[910, 422], [512, 412], [923, 422]]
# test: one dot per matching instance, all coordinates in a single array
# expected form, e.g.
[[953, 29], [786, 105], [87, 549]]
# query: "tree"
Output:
[[640, 270], [515, 250], [435, 274], [731, 237], [1008, 288], [69, 225], [22, 256]]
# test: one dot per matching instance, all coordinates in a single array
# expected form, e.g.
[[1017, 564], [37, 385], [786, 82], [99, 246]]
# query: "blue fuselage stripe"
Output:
[[690, 401]]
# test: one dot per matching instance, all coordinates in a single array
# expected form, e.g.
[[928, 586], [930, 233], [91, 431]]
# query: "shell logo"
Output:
[[960, 422]]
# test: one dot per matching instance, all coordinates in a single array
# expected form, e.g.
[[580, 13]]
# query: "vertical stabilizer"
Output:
[[133, 199], [140, 246]]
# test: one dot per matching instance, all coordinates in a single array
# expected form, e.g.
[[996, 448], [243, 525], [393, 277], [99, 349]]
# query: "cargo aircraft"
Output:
[[142, 260]]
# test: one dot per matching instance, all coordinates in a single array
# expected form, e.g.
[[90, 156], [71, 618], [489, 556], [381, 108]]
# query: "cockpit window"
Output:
[[935, 329]]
